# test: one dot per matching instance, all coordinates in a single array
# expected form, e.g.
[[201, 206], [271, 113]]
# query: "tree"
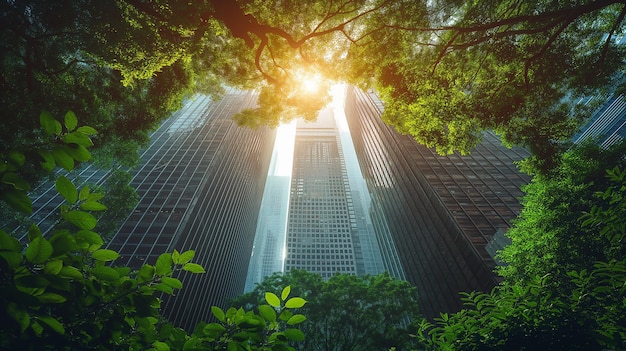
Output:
[[446, 69], [516, 68], [121, 69], [63, 292], [347, 312], [531, 314], [548, 237]]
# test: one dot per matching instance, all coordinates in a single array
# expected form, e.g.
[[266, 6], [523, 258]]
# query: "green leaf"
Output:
[[87, 130], [77, 138], [285, 293], [280, 336], [213, 330], [164, 264], [52, 323], [20, 316], [160, 346], [105, 255], [70, 120], [234, 346], [190, 344], [281, 347], [294, 334], [84, 193], [272, 299], [37, 328], [18, 200], [33, 232], [218, 313], [145, 274], [295, 302], [77, 152], [48, 162], [296, 319], [82, 220], [70, 272], [176, 257], [14, 259], [17, 158], [88, 240], [38, 250], [268, 313], [186, 256], [32, 281], [105, 273], [95, 196], [9, 243], [53, 267], [162, 287], [48, 123], [285, 315], [15, 180], [63, 242], [50, 297], [63, 159], [92, 206], [67, 189], [193, 268], [173, 282]]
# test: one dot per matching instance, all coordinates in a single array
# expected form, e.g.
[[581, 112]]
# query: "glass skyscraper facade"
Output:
[[442, 211], [607, 125], [426, 218], [200, 185], [319, 235], [329, 227]]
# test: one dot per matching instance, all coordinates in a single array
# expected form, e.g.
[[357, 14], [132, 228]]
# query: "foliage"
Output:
[[115, 67], [120, 198], [531, 317], [549, 236], [271, 329], [63, 292], [347, 312], [446, 69], [532, 314]]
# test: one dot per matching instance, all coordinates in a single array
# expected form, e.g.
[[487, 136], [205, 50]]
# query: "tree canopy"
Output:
[[64, 292], [446, 69], [347, 312], [565, 279], [549, 237]]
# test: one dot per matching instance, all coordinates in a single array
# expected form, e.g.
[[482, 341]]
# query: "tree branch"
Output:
[[543, 49], [341, 26], [257, 61], [618, 22], [562, 13], [444, 51]]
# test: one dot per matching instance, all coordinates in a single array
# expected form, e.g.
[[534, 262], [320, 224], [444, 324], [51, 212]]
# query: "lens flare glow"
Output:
[[309, 83]]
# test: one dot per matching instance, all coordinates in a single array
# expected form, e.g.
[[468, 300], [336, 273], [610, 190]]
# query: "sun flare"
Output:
[[310, 83]]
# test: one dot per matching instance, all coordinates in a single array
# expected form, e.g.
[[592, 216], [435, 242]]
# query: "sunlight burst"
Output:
[[310, 82]]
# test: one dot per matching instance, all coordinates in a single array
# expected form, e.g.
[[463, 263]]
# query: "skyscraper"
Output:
[[442, 211], [322, 230], [329, 228], [200, 185], [607, 124]]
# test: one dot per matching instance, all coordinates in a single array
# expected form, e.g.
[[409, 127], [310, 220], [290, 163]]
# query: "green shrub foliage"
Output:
[[64, 292], [539, 313], [347, 312]]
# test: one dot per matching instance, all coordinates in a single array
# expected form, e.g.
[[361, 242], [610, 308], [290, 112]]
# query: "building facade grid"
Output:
[[319, 230], [441, 210]]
